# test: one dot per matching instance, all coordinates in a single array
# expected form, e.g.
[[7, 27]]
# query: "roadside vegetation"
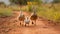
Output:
[[43, 10], [5, 12]]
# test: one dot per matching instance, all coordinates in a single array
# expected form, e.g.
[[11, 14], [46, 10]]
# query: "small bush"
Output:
[[30, 9]]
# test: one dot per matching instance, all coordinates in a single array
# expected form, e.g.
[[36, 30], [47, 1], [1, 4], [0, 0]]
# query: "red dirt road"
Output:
[[9, 25]]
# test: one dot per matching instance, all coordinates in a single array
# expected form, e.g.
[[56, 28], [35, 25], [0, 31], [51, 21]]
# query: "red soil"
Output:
[[9, 25]]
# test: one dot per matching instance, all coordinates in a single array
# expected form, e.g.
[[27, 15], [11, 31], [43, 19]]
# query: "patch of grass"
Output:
[[5, 12], [50, 14]]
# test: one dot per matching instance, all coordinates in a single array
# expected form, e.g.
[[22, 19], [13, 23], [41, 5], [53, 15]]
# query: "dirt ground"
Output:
[[10, 25]]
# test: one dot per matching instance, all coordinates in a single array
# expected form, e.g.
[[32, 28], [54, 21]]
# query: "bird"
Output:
[[27, 21], [34, 16], [21, 18]]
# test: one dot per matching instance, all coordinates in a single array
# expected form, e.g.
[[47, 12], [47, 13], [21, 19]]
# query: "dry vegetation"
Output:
[[42, 10]]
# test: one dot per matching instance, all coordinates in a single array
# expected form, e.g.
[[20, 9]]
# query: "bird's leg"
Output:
[[35, 22], [23, 22], [28, 24], [20, 22], [32, 22], [25, 25]]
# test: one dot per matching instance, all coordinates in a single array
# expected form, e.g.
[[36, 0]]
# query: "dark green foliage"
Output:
[[24, 2], [20, 2], [56, 1]]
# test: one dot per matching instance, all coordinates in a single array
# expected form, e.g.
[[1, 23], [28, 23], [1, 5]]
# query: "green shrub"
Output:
[[30, 9]]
